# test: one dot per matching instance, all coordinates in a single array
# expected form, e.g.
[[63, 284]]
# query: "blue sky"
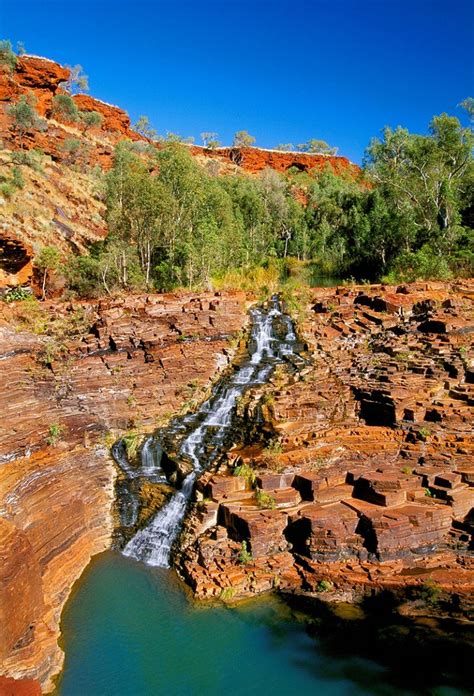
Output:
[[285, 70]]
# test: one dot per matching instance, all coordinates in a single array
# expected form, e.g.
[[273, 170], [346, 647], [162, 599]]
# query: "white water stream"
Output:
[[212, 423]]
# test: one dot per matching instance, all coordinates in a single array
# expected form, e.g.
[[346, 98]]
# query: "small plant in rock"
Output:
[[131, 400], [55, 432], [246, 471], [428, 493], [227, 593], [244, 557], [7, 55], [325, 586], [264, 500], [407, 470], [424, 433], [23, 115], [131, 441], [429, 592], [17, 295], [273, 450], [90, 119], [64, 107]]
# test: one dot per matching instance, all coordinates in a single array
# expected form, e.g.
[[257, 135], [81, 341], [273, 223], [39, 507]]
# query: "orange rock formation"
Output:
[[130, 364]]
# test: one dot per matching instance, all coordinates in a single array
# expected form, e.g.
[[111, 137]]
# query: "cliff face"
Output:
[[369, 478], [43, 77], [254, 160], [69, 392]]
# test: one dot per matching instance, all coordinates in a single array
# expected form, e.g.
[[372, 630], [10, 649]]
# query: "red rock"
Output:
[[19, 687]]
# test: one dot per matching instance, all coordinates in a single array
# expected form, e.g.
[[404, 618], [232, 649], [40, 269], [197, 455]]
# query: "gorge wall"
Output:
[[74, 379], [364, 481]]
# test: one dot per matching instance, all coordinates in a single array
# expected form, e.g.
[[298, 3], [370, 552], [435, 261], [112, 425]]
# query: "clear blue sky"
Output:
[[285, 70]]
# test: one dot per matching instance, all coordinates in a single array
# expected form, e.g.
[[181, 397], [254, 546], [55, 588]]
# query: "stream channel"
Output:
[[131, 628]]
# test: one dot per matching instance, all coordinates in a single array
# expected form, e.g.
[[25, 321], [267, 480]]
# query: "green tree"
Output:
[[209, 140], [65, 107], [144, 127], [47, 262], [243, 139], [7, 55], [90, 119], [426, 175], [77, 80], [315, 146], [23, 115]]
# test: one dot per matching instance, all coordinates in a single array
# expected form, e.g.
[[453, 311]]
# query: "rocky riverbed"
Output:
[[356, 469]]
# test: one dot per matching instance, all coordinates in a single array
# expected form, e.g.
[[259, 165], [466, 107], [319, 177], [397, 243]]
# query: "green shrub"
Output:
[[246, 471], [244, 557], [55, 432], [131, 441], [227, 593], [90, 119], [424, 264], [17, 178], [265, 500], [429, 592], [325, 586], [65, 107], [7, 55], [17, 295], [7, 189]]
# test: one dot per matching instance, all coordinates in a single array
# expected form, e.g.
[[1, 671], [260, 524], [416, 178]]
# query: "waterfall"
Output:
[[209, 428]]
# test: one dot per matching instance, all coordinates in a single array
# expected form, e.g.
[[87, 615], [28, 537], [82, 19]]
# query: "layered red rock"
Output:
[[375, 438], [128, 363], [255, 159]]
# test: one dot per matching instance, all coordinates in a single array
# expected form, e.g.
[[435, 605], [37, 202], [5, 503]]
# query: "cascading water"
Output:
[[272, 339]]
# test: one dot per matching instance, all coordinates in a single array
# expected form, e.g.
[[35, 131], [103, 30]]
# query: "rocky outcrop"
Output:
[[43, 77], [366, 482], [93, 372], [16, 266], [255, 159], [33, 74]]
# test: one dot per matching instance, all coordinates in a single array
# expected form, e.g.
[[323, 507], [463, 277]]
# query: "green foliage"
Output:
[[264, 500], [426, 263], [17, 178], [29, 158], [77, 80], [143, 127], [47, 262], [23, 115], [64, 107], [132, 442], [273, 449], [16, 295], [324, 586], [71, 147], [209, 140], [7, 189], [244, 557], [319, 147], [7, 55], [173, 224], [55, 432], [246, 471], [90, 119], [227, 594], [429, 592], [243, 139]]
